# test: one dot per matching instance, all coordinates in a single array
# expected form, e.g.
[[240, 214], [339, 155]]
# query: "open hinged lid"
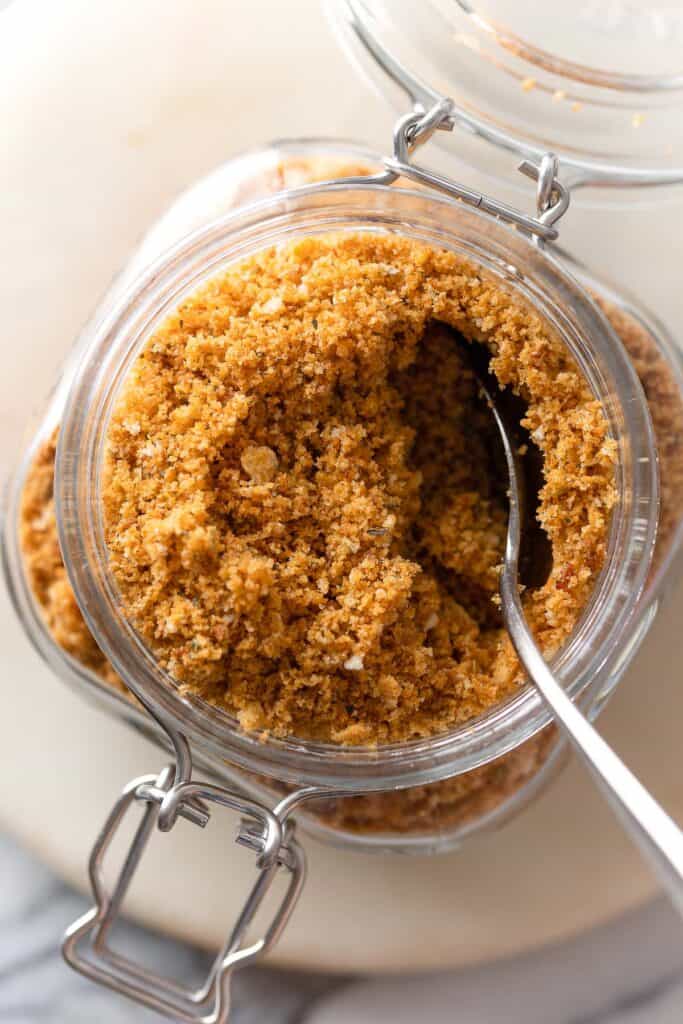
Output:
[[599, 82]]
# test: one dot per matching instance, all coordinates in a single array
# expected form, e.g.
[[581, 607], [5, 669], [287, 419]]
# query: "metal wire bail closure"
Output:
[[267, 832], [415, 129], [552, 198]]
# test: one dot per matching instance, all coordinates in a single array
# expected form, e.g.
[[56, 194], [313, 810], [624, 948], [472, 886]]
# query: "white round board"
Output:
[[108, 110]]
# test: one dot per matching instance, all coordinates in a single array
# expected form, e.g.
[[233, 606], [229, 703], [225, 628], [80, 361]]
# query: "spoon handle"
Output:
[[653, 831]]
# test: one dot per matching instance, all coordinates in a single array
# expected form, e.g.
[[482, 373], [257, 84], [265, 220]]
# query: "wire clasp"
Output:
[[415, 129], [268, 833]]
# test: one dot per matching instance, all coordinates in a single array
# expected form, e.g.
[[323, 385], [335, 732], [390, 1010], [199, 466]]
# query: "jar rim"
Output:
[[113, 341]]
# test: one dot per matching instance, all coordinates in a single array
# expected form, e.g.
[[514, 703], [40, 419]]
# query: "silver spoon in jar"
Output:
[[652, 830]]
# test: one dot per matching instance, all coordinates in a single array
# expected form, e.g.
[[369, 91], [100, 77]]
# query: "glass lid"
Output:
[[598, 82]]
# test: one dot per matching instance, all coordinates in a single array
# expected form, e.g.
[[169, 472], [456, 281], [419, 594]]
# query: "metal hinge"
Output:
[[415, 129], [269, 833]]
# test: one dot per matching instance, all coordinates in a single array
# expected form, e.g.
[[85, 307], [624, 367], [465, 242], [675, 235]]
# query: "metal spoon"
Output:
[[659, 838]]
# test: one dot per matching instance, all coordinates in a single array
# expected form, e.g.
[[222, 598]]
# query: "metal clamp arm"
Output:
[[414, 129], [85, 946]]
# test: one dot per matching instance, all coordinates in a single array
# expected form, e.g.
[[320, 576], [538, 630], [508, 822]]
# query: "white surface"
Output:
[[107, 111]]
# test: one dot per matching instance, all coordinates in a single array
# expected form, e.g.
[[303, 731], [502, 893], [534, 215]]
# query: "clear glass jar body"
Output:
[[452, 786]]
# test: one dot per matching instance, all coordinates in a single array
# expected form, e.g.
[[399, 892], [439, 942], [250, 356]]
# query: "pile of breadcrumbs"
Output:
[[453, 800], [302, 508]]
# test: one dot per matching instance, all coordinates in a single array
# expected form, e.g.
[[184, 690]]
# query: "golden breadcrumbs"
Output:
[[45, 569], [444, 804], [301, 508], [666, 411], [420, 808]]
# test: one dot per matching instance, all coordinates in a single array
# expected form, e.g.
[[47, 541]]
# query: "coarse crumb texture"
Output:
[[450, 802], [45, 569], [663, 395], [302, 509], [447, 804]]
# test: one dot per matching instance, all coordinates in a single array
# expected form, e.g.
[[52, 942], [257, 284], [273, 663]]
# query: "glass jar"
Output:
[[252, 175], [420, 796]]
